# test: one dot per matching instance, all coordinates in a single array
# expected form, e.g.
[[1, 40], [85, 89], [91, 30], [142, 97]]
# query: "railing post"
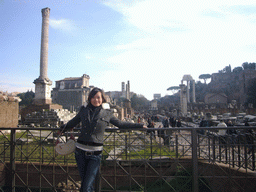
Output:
[[233, 150], [209, 147], [126, 147], [4, 149], [245, 155], [226, 149], [177, 146], [253, 155], [239, 150], [220, 145], [151, 143], [194, 160], [12, 158], [213, 148], [199, 149]]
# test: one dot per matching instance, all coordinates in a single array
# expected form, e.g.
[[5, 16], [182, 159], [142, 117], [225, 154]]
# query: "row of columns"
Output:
[[185, 93]]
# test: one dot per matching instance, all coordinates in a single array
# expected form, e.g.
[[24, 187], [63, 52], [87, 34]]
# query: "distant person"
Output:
[[173, 122], [89, 145], [139, 119], [165, 122], [201, 124], [161, 133], [230, 131], [170, 121], [222, 131], [179, 123], [151, 124]]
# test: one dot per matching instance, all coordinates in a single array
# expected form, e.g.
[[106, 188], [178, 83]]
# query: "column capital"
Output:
[[46, 12]]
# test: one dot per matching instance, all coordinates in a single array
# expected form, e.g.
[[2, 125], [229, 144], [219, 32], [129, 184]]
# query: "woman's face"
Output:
[[96, 101]]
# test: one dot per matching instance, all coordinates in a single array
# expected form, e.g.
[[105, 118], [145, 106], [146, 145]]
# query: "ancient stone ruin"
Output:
[[48, 118]]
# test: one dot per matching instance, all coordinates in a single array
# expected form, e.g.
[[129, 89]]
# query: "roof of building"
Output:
[[74, 78]]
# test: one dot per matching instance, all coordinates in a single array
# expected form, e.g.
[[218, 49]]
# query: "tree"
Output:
[[237, 69], [245, 65], [251, 66], [27, 98], [252, 93], [173, 88], [205, 77], [201, 90], [139, 102]]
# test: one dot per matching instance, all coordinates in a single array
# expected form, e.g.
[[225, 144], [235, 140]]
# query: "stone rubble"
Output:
[[49, 118]]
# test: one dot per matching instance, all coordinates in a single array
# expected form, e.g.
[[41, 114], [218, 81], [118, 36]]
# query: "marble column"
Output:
[[43, 83], [188, 88], [194, 92], [44, 44], [183, 100]]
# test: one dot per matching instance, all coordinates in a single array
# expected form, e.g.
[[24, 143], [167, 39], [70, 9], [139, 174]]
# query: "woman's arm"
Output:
[[124, 124], [72, 123]]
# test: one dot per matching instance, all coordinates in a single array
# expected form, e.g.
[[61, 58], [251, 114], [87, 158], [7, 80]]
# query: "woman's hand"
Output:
[[59, 132]]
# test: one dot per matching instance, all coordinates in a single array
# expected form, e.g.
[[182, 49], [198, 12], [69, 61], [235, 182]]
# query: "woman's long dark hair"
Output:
[[93, 92]]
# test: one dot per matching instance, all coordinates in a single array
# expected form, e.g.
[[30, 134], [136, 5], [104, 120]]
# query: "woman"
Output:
[[89, 144]]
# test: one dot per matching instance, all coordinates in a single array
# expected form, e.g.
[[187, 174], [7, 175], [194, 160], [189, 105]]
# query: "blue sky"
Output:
[[151, 43]]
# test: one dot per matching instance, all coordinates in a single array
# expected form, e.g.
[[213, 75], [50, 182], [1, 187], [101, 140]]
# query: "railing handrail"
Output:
[[140, 129]]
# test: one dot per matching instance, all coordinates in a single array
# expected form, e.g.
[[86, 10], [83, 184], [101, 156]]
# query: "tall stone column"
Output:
[[128, 95], [43, 83], [44, 44], [188, 87], [194, 92], [183, 99], [123, 89]]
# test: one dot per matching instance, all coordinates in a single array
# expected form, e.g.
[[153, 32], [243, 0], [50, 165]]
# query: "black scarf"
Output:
[[93, 111]]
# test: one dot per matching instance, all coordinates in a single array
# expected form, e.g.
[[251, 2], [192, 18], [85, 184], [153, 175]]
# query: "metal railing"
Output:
[[166, 159]]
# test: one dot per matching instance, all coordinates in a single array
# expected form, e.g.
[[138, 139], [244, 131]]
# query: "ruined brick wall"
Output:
[[9, 111]]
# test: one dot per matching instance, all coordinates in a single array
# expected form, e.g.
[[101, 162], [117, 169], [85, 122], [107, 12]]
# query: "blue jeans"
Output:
[[88, 167]]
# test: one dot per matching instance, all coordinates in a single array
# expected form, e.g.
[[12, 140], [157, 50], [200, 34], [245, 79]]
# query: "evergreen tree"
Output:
[[27, 98], [139, 102], [252, 93]]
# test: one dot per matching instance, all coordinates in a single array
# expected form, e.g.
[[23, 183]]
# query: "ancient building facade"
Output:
[[124, 108], [71, 92], [124, 93]]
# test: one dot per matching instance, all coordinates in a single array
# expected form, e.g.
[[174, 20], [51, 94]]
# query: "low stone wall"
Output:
[[9, 111]]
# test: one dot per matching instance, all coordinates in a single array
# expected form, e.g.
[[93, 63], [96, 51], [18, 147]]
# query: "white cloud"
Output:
[[62, 24], [181, 39]]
